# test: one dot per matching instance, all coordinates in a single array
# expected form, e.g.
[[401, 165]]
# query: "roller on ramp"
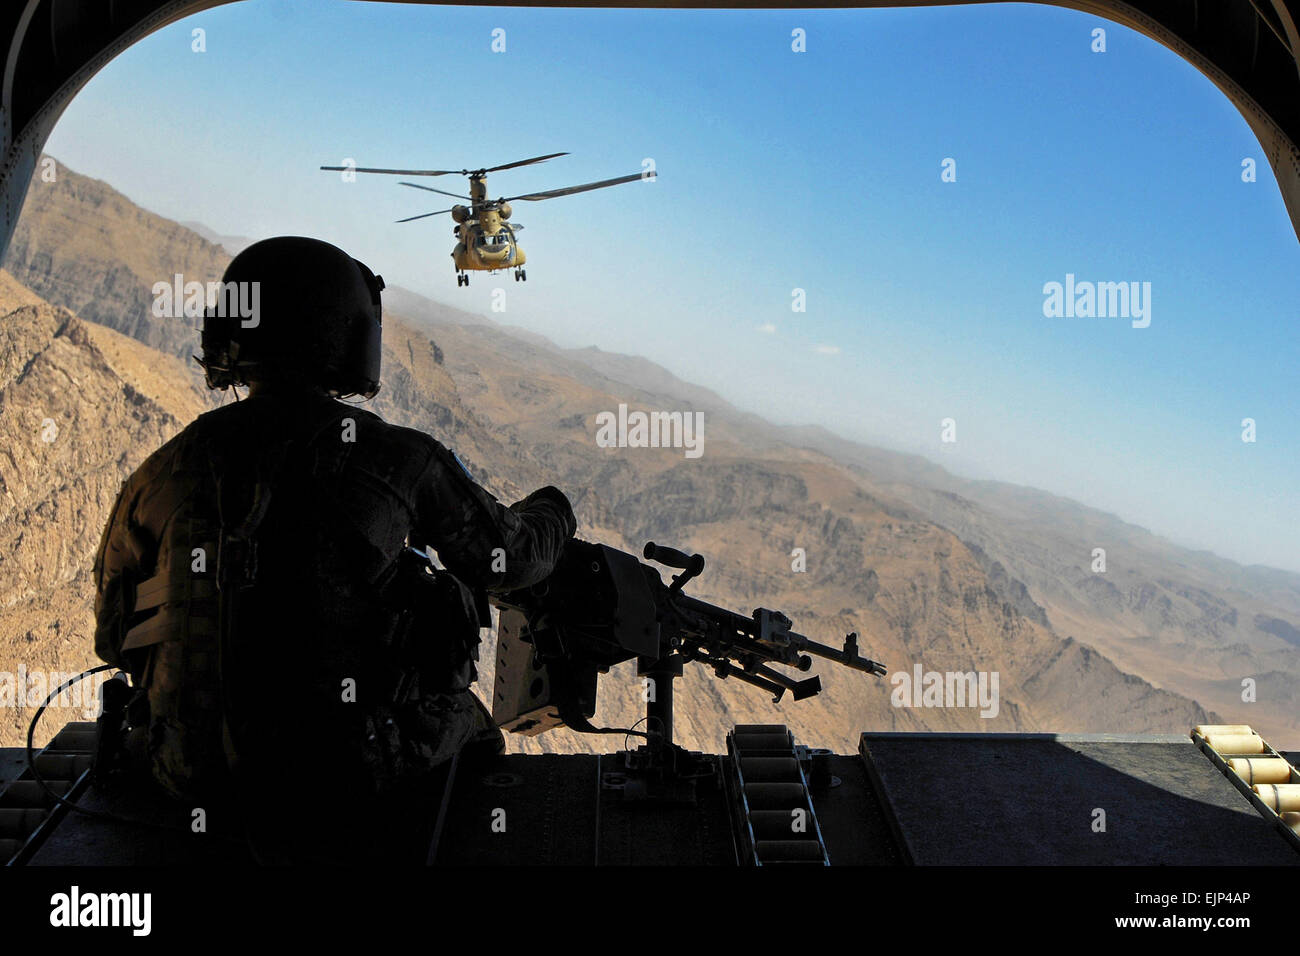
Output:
[[1259, 772]]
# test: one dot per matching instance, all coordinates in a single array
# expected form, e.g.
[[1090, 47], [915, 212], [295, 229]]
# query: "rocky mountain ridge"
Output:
[[884, 555]]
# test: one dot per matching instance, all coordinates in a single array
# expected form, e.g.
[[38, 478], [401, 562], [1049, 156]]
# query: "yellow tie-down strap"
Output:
[[1268, 781]]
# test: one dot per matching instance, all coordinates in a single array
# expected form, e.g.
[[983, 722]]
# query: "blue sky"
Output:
[[782, 170]]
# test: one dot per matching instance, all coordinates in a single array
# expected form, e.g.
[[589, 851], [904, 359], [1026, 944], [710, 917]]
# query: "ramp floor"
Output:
[[1034, 799]]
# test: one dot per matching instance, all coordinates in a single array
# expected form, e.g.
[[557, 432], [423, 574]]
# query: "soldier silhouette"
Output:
[[263, 578]]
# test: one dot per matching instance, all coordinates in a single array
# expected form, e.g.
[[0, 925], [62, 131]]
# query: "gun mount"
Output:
[[603, 606]]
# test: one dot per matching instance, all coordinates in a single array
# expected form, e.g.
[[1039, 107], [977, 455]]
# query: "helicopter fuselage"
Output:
[[487, 241], [487, 244]]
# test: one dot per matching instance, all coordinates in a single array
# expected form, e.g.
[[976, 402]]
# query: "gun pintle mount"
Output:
[[602, 606]]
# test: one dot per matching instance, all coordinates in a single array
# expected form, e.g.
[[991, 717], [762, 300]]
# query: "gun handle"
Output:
[[673, 558]]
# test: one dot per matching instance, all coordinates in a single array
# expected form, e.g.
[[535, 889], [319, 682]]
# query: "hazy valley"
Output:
[[927, 567]]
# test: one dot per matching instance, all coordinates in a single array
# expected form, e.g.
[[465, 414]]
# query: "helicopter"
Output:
[[487, 239]]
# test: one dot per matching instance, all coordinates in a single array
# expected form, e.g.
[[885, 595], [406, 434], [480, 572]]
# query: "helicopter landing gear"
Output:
[[462, 278], [521, 275]]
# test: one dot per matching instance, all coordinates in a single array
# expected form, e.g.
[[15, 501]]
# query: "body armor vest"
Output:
[[254, 646]]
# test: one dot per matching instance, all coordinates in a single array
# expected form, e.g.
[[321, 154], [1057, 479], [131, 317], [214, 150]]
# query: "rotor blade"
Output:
[[524, 162], [553, 193], [424, 215], [394, 172], [442, 192]]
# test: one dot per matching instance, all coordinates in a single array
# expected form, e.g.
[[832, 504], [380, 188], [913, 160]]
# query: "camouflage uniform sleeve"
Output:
[[112, 559], [481, 541]]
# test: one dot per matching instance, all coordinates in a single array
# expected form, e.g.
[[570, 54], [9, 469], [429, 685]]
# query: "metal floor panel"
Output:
[[550, 810], [522, 810], [79, 840], [854, 823], [1031, 799]]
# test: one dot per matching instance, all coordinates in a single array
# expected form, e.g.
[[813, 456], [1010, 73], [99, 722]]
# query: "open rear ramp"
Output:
[[1043, 799]]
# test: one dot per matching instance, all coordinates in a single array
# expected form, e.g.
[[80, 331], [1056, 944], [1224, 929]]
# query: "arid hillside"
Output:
[[926, 568]]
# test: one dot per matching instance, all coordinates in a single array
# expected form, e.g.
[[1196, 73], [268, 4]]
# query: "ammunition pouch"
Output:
[[428, 710], [435, 642]]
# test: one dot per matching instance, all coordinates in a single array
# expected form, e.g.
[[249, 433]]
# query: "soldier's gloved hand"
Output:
[[552, 499]]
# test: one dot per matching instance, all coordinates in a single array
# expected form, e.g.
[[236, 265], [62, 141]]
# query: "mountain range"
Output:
[[929, 568]]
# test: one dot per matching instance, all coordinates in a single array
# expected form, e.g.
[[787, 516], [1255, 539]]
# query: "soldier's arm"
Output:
[[483, 542], [112, 559]]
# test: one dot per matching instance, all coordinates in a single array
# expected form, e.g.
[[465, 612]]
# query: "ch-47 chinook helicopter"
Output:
[[488, 240]]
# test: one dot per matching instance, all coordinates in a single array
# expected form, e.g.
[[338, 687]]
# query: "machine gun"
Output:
[[602, 606]]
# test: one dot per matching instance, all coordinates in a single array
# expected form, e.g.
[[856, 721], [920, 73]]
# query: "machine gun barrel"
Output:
[[767, 635], [848, 656]]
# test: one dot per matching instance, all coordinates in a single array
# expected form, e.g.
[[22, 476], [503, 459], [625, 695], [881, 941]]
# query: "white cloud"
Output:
[[767, 328], [828, 350]]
